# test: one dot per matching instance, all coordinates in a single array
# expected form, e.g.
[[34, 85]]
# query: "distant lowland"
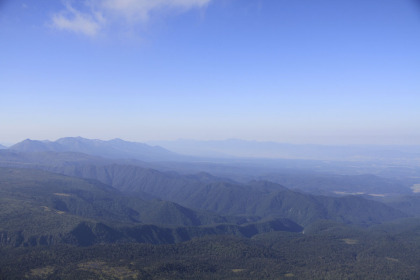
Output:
[[258, 149], [91, 209]]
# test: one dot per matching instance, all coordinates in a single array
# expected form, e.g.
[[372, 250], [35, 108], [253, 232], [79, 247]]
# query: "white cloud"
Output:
[[98, 12], [141, 9], [88, 23]]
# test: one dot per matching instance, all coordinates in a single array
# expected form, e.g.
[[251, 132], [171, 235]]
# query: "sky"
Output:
[[331, 72]]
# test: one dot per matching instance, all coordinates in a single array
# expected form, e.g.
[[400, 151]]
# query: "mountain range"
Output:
[[115, 148], [258, 198], [192, 150], [41, 208], [206, 192], [296, 179], [91, 209], [114, 164]]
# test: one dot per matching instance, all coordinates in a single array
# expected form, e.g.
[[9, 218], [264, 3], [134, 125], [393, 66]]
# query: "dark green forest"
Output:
[[330, 251]]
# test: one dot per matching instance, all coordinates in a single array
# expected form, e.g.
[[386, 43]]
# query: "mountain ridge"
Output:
[[115, 148], [258, 198], [224, 197], [43, 208]]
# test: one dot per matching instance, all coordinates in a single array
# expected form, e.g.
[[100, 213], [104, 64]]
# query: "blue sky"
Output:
[[297, 71]]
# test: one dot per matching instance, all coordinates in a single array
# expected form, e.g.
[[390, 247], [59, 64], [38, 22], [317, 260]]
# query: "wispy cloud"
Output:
[[97, 13], [141, 9], [71, 19]]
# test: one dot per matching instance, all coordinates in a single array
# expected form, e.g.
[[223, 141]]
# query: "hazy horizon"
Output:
[[301, 72], [156, 142]]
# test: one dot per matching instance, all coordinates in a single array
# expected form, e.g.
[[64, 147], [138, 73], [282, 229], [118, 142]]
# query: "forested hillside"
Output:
[[327, 251], [71, 215]]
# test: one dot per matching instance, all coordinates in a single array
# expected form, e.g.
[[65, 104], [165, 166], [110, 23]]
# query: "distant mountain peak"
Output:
[[77, 138], [115, 148], [117, 140], [29, 145]]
